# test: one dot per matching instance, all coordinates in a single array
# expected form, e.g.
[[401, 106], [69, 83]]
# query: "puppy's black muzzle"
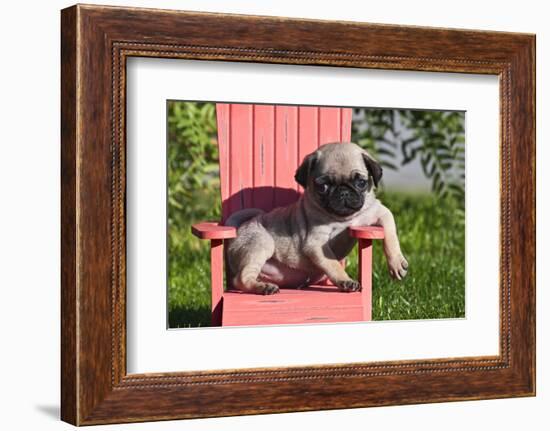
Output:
[[345, 201]]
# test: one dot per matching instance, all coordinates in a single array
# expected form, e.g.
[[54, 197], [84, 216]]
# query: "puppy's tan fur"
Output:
[[304, 242]]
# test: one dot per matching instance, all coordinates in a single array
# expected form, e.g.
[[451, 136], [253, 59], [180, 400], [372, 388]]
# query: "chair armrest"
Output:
[[365, 235], [213, 230], [216, 234], [366, 232]]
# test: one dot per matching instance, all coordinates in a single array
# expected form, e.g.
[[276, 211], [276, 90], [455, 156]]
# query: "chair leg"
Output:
[[365, 276], [216, 280]]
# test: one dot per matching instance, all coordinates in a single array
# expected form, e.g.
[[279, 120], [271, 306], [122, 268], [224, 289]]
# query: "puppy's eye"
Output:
[[322, 188], [360, 183]]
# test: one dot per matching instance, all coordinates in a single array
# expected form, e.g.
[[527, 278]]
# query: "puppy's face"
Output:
[[338, 177]]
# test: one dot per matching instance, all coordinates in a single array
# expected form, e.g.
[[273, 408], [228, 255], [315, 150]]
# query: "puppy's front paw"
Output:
[[267, 288], [349, 286], [398, 267]]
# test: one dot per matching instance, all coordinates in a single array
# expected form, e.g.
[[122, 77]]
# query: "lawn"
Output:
[[431, 231]]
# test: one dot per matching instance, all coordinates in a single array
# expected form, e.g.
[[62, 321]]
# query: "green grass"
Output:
[[431, 231]]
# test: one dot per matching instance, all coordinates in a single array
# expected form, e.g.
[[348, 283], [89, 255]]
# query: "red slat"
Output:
[[286, 157], [223, 117], [293, 317], [241, 135], [313, 296], [345, 132], [308, 132], [329, 125], [264, 134], [291, 306]]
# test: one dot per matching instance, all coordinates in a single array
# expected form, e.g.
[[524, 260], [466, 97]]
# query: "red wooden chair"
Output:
[[260, 148]]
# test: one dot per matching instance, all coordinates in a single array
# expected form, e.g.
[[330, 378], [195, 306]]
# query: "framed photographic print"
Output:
[[258, 216]]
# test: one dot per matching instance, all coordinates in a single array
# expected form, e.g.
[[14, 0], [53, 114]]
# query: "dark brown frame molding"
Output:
[[95, 43]]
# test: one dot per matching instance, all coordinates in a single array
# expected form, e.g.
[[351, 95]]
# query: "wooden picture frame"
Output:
[[95, 43]]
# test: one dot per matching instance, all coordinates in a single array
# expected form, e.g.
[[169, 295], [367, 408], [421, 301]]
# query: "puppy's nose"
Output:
[[344, 192]]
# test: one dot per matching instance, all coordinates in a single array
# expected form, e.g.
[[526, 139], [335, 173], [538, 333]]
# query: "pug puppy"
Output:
[[303, 243]]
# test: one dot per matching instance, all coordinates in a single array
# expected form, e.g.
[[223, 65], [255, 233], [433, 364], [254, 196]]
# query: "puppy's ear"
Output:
[[303, 171], [374, 168]]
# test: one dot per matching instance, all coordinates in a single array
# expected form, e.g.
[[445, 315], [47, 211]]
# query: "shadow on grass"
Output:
[[183, 317]]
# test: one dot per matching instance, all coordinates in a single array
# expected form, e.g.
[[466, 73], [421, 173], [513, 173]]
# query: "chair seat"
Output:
[[313, 304]]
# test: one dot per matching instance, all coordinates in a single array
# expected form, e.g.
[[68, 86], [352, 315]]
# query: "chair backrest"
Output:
[[261, 146]]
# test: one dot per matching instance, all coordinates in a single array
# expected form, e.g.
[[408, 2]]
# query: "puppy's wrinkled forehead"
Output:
[[341, 160]]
